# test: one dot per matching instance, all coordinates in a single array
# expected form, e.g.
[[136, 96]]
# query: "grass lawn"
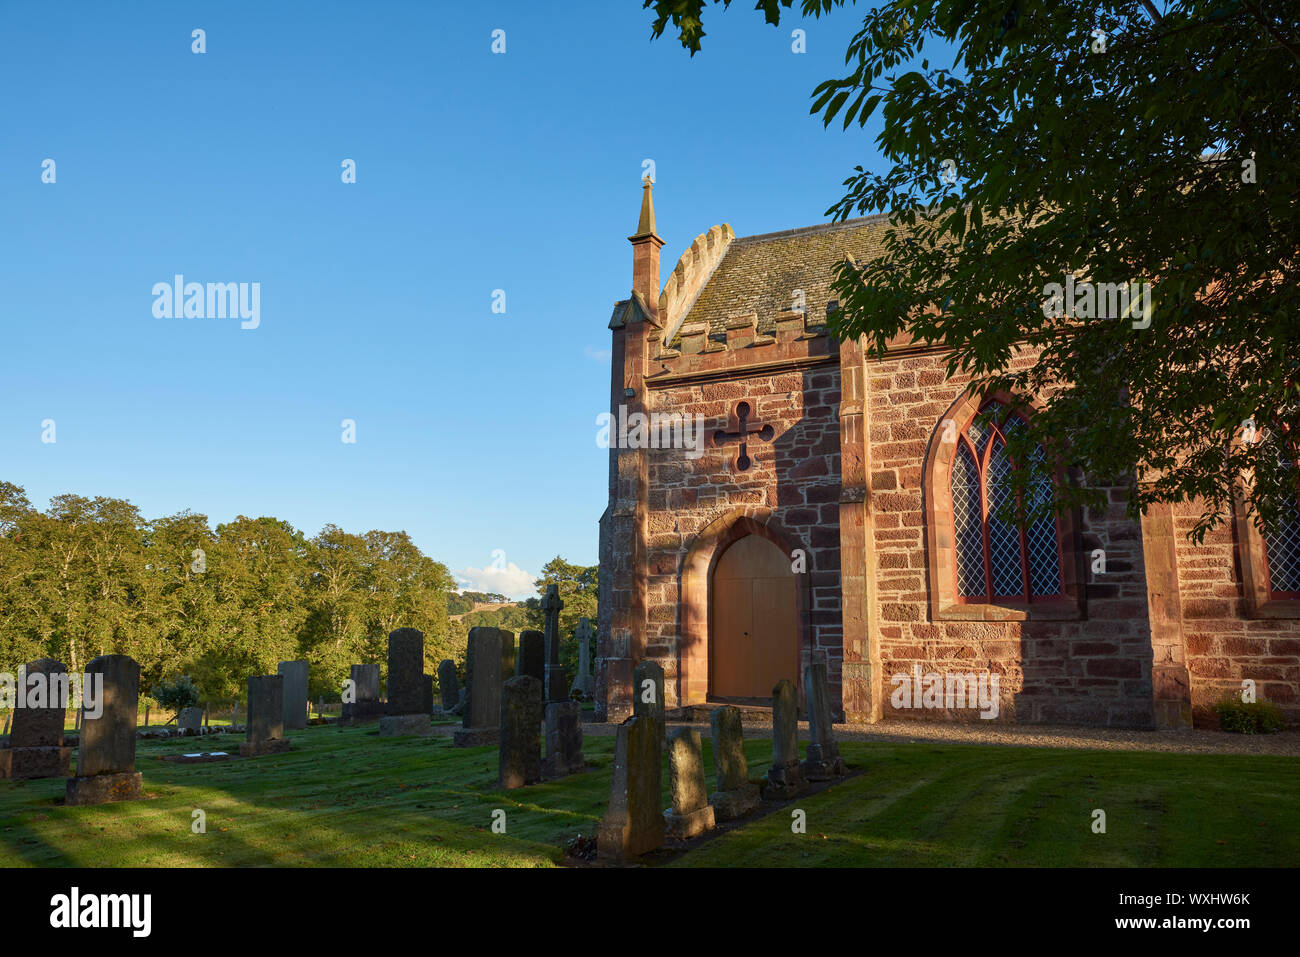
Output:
[[351, 798]]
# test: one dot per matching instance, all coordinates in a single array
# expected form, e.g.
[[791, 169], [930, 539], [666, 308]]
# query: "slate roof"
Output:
[[759, 274]]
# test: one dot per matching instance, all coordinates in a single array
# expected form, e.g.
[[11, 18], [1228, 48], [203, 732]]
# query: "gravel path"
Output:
[[1286, 743]]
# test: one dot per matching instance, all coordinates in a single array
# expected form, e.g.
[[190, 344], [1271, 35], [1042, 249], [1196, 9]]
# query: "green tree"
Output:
[[1116, 143]]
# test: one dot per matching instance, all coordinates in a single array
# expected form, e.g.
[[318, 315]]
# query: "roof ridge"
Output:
[[817, 228]]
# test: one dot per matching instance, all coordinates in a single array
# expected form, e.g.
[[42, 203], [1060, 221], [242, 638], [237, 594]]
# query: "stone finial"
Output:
[[645, 227]]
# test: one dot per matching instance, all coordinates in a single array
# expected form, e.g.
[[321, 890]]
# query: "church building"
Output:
[[774, 493]]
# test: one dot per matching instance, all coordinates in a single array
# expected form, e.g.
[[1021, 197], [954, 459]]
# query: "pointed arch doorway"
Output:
[[753, 621]]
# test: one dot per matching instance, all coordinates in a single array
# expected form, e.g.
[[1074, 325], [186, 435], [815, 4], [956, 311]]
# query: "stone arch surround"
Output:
[[697, 572]]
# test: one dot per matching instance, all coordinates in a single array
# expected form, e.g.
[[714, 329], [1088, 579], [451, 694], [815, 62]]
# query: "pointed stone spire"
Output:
[[645, 227], [645, 253]]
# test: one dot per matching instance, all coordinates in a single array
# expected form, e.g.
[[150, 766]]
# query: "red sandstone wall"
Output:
[[1224, 644], [1091, 670], [796, 476]]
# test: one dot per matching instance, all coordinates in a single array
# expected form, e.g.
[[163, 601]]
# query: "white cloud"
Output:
[[600, 355], [509, 580]]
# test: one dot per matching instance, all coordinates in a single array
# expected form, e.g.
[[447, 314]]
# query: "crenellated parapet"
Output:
[[689, 276]]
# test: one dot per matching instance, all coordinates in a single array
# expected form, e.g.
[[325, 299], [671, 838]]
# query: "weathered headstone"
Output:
[[520, 749], [634, 821], [823, 762], [532, 655], [691, 813], [785, 777], [735, 796], [190, 720], [563, 739], [106, 751], [295, 693], [265, 733], [447, 684], [648, 692], [489, 660], [35, 748], [406, 686], [365, 685], [584, 686], [557, 689]]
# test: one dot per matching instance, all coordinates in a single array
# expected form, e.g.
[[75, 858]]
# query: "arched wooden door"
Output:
[[753, 624]]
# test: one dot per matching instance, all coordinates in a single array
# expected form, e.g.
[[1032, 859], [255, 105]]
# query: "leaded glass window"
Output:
[[996, 560], [1282, 553]]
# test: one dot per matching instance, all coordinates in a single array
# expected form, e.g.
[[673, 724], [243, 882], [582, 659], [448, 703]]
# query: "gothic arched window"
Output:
[[997, 561]]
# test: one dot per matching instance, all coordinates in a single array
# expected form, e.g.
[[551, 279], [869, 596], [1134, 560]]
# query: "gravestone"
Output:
[[427, 704], [406, 686], [584, 686], [447, 684], [691, 813], [532, 655], [265, 733], [563, 739], [634, 821], [557, 689], [520, 749], [489, 660], [106, 751], [735, 796], [785, 777], [35, 748], [190, 720], [365, 685], [295, 693], [648, 692], [823, 762]]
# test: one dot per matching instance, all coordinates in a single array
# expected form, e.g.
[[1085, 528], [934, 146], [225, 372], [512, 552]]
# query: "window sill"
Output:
[[975, 611], [1275, 608]]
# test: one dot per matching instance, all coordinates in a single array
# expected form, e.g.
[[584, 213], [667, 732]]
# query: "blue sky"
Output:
[[475, 431]]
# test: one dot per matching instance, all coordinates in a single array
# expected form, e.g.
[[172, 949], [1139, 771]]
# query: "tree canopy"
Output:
[[1100, 148], [91, 576]]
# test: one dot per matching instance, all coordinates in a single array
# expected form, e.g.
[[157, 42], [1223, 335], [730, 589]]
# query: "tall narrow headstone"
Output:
[[648, 692], [406, 686], [563, 739], [447, 684], [735, 796], [785, 777], [691, 813], [634, 821], [365, 686], [520, 748], [265, 733], [584, 686], [295, 693], [35, 748], [106, 751], [532, 655], [823, 762], [557, 689], [489, 660]]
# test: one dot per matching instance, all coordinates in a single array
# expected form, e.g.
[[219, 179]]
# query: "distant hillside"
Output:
[[467, 601], [484, 606]]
